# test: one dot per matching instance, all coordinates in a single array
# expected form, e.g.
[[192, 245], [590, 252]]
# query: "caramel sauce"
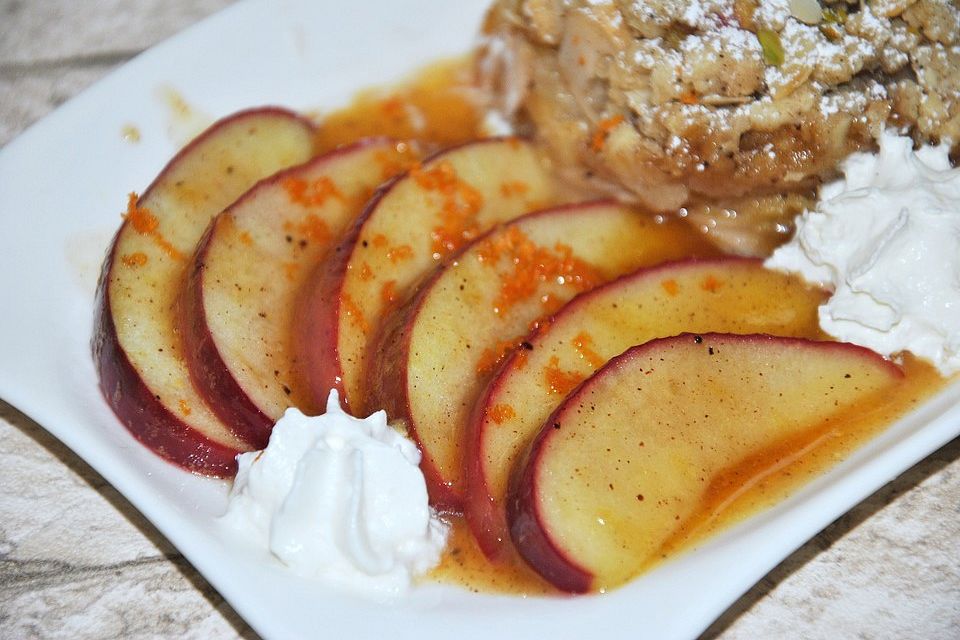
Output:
[[130, 133], [436, 109], [767, 477], [464, 565], [757, 482]]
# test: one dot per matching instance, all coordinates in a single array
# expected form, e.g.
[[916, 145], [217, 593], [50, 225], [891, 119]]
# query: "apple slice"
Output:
[[408, 228], [731, 294], [622, 465], [238, 303], [438, 351], [136, 343]]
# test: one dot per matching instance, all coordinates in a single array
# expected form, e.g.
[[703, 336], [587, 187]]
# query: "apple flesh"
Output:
[[408, 228], [242, 285], [729, 294], [437, 352], [136, 345], [622, 464]]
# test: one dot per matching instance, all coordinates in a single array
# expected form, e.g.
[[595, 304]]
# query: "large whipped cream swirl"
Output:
[[886, 239], [340, 499]]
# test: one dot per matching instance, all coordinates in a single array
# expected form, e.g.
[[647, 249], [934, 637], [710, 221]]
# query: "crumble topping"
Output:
[[723, 98]]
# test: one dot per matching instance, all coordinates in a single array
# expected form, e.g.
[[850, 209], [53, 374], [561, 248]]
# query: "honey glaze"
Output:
[[755, 483], [464, 565], [438, 108], [766, 477]]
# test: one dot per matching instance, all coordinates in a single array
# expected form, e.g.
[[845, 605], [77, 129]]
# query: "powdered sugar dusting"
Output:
[[819, 78]]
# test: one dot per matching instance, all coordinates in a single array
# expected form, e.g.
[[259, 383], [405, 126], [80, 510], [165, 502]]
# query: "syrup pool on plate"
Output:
[[438, 107]]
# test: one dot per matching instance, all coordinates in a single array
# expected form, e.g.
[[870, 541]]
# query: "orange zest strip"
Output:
[[137, 259], [313, 193], [532, 266], [582, 343], [459, 204], [145, 223], [400, 253], [393, 163], [366, 273], [560, 382], [312, 227], [602, 132], [671, 287], [388, 292], [499, 413], [711, 284], [515, 188], [493, 356], [356, 314]]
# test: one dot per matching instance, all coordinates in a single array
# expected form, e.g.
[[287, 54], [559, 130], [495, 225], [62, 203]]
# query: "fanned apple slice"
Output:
[[440, 348], [242, 285], [408, 228], [628, 459], [731, 295], [136, 344]]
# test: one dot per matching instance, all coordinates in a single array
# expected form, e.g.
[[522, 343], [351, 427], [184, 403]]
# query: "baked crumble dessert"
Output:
[[668, 102]]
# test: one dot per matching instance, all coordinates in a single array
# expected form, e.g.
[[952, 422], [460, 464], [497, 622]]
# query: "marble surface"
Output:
[[77, 561]]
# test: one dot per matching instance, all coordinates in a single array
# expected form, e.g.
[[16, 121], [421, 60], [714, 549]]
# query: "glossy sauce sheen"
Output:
[[435, 109]]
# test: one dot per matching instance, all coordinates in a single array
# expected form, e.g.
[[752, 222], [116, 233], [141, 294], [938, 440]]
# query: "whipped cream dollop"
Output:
[[341, 499], [886, 239]]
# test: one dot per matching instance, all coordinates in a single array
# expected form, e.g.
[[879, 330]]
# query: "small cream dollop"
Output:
[[886, 239], [340, 499]]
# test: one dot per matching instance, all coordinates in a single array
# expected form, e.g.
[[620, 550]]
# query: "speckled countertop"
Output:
[[77, 561]]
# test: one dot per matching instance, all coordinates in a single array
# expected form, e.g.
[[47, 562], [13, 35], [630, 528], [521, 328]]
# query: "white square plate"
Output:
[[62, 186]]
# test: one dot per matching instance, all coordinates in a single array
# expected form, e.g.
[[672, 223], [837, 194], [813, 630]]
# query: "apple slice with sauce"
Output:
[[407, 229], [136, 344], [733, 295], [628, 461], [438, 351], [238, 303]]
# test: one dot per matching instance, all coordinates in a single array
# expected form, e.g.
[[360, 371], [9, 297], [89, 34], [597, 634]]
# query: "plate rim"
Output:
[[870, 462]]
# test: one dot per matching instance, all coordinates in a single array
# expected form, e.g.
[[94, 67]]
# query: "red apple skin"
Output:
[[207, 366], [389, 384], [538, 550], [528, 530], [141, 411], [318, 312], [389, 390], [486, 517], [486, 520], [144, 415], [525, 526], [322, 304]]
